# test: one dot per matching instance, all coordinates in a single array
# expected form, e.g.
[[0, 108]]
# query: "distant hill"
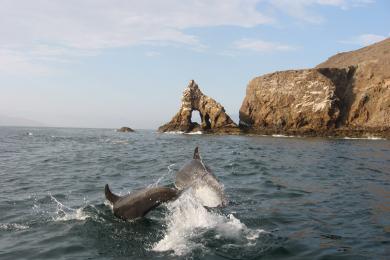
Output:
[[18, 121]]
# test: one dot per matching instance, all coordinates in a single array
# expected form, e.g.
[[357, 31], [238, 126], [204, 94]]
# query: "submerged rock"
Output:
[[347, 95], [213, 116], [125, 129]]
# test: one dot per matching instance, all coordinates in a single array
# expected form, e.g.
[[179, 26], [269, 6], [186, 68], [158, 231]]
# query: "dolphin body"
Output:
[[139, 203], [196, 174]]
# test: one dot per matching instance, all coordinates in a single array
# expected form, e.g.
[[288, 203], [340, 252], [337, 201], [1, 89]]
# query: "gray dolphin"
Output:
[[139, 203], [197, 174]]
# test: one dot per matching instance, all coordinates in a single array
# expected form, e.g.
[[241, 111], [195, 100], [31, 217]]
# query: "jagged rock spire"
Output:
[[212, 113]]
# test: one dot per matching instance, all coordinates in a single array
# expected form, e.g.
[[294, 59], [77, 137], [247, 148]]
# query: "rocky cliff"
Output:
[[349, 94], [365, 96], [213, 116]]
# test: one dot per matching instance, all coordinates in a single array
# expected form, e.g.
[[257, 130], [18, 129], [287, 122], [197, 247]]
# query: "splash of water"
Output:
[[206, 196], [188, 219], [167, 174], [65, 213]]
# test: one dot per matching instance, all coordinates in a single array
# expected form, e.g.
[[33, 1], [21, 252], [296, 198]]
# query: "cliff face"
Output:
[[213, 116], [290, 100], [365, 99], [350, 92]]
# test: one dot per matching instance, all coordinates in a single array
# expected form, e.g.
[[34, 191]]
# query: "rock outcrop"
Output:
[[125, 129], [213, 116], [347, 95]]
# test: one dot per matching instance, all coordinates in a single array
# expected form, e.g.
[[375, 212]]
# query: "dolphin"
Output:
[[197, 174], [139, 203]]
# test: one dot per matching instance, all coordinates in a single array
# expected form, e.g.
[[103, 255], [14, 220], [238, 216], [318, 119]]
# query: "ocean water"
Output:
[[290, 198]]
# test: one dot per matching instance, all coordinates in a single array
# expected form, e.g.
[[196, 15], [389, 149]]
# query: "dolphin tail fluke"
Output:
[[196, 154], [109, 195]]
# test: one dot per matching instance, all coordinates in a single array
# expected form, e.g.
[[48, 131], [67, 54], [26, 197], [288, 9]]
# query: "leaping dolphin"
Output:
[[197, 174], [139, 203], [194, 174]]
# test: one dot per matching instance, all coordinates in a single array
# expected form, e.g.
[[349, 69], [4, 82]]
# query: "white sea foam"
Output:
[[277, 135], [194, 133], [375, 138], [174, 132], [13, 226], [364, 138], [182, 132], [187, 219]]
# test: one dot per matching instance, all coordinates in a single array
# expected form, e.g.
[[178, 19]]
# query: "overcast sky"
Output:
[[110, 63]]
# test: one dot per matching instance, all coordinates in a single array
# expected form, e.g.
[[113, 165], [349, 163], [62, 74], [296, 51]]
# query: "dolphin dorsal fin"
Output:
[[110, 196], [196, 154]]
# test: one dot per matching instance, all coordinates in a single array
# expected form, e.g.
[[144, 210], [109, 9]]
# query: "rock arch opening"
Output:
[[200, 120], [206, 124], [196, 117]]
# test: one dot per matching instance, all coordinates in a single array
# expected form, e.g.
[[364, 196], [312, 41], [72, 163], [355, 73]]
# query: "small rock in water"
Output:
[[125, 129]]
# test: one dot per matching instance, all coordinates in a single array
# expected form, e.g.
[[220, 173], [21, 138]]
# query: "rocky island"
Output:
[[348, 95]]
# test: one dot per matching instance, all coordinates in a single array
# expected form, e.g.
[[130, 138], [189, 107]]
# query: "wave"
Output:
[[187, 220], [120, 142]]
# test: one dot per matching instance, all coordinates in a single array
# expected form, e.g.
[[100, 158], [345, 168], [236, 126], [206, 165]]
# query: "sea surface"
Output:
[[289, 197]]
